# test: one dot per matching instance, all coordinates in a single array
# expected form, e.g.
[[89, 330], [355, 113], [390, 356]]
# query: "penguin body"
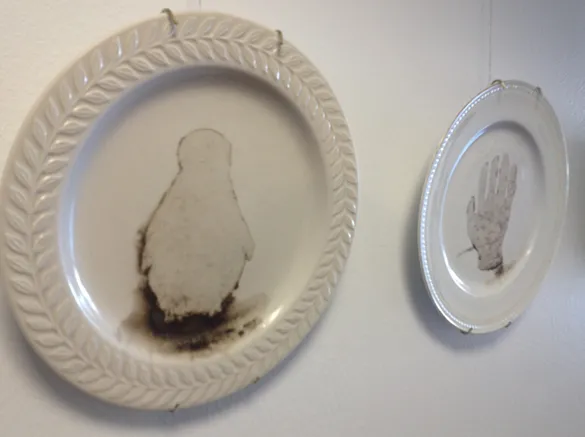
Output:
[[197, 242]]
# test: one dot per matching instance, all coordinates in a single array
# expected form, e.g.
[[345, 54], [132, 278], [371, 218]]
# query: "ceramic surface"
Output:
[[178, 208], [493, 207]]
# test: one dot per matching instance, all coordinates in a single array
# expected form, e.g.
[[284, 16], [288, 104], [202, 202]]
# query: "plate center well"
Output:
[[261, 151], [492, 207]]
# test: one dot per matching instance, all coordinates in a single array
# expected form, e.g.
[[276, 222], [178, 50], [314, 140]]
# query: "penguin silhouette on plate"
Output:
[[196, 244]]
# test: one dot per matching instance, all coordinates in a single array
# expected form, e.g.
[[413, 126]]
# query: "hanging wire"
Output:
[[490, 12]]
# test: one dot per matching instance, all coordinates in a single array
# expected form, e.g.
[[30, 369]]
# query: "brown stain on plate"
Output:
[[196, 331], [192, 253]]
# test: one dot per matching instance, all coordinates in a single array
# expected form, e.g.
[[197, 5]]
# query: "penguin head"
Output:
[[204, 148]]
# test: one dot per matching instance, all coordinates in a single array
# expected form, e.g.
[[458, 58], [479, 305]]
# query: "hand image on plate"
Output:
[[488, 214]]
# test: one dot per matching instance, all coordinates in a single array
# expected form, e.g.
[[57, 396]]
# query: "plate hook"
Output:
[[500, 83], [279, 41], [172, 20]]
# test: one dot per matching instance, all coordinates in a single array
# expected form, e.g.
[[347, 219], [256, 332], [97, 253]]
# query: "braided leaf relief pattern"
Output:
[[47, 144]]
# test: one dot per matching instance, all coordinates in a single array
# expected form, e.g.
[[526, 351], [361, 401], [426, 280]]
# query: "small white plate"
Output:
[[493, 206], [177, 210]]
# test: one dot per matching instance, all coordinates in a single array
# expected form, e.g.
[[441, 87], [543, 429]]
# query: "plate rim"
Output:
[[45, 148], [466, 328]]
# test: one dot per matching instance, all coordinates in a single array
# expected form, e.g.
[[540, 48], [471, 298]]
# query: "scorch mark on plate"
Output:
[[193, 251]]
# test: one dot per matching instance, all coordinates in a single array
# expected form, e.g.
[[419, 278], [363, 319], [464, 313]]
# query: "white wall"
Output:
[[382, 362]]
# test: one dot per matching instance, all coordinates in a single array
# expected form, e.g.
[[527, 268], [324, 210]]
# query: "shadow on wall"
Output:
[[574, 242], [436, 326], [96, 410]]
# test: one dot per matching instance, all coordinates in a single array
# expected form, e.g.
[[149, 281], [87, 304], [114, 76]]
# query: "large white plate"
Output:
[[194, 181], [493, 207]]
